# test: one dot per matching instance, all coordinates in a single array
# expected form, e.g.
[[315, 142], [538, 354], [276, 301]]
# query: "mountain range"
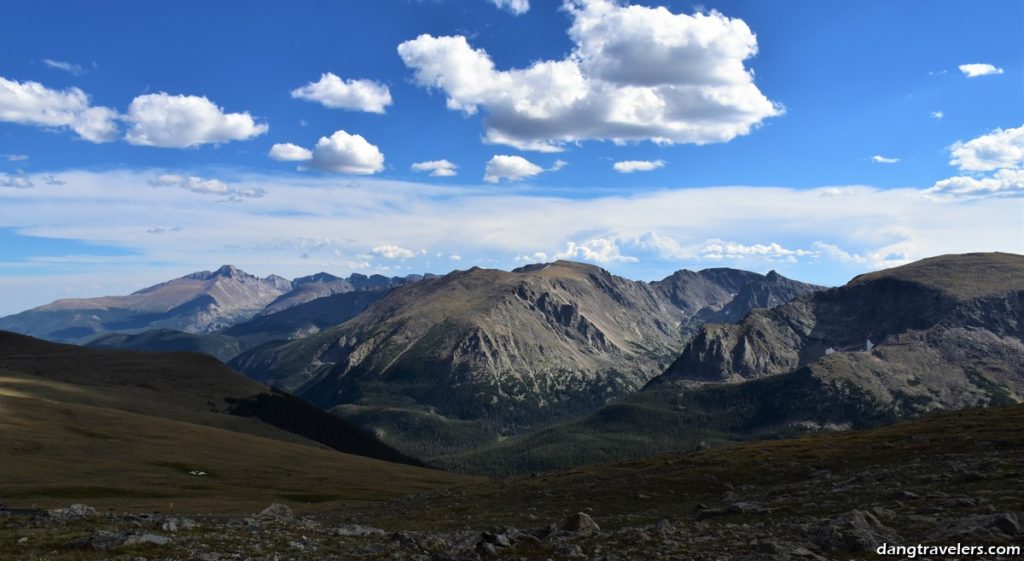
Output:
[[559, 364], [201, 302], [431, 363], [944, 333]]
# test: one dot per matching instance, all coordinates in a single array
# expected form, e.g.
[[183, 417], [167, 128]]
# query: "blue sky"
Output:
[[821, 139]]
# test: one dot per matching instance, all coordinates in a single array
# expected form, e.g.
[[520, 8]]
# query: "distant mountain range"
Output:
[[201, 302], [453, 361], [941, 334], [429, 363]]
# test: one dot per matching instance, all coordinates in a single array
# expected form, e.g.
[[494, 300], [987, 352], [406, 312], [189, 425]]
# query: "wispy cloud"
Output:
[[74, 69], [387, 224], [878, 159]]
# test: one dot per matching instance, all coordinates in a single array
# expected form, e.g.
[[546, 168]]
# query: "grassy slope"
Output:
[[54, 453], [123, 428]]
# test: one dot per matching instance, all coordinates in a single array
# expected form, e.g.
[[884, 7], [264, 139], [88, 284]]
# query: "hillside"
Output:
[[455, 361], [118, 425], [938, 481]]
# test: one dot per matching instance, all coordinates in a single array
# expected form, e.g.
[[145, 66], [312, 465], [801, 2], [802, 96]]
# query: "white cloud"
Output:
[[333, 92], [537, 257], [347, 153], [485, 226], [636, 73], [517, 7], [390, 251], [1000, 151], [979, 69], [437, 168], [512, 168], [51, 180], [74, 69], [629, 166], [884, 159], [597, 250], [835, 253], [289, 152], [31, 103], [191, 183], [719, 249], [455, 257], [15, 157], [15, 181], [182, 121], [1003, 183], [937, 115], [1001, 148]]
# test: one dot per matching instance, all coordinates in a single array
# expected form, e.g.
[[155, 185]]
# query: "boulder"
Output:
[[580, 524]]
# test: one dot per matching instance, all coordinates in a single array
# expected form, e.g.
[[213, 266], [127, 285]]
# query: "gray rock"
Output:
[[72, 513], [277, 511], [982, 528], [102, 540], [856, 530], [580, 524], [138, 539], [357, 531]]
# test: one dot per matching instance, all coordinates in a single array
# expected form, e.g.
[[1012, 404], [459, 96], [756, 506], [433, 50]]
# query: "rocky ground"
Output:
[[941, 481]]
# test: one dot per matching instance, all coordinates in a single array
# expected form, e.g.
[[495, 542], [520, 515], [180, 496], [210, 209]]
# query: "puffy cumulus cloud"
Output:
[[183, 121], [597, 250], [663, 247], [1001, 148], [1003, 183], [288, 152], [437, 168], [31, 103], [191, 183], [999, 153], [629, 166], [517, 7], [636, 73], [512, 168], [719, 249], [836, 253], [884, 159], [536, 257], [333, 92], [16, 181], [390, 251], [979, 69], [347, 153]]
